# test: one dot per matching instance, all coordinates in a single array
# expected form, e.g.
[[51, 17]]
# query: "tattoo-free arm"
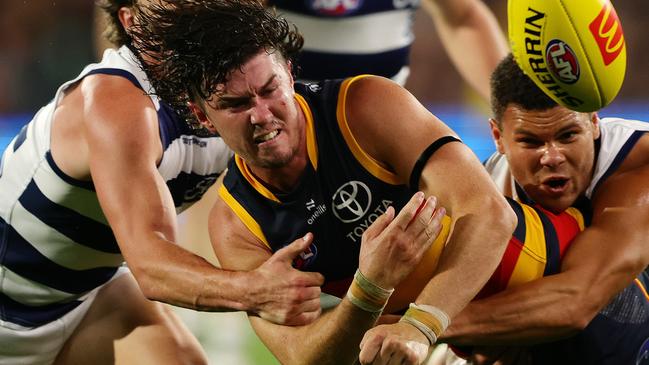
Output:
[[395, 133], [601, 261], [334, 337], [121, 129], [472, 38]]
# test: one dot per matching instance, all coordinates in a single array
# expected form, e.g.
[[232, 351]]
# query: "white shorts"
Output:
[[40, 345]]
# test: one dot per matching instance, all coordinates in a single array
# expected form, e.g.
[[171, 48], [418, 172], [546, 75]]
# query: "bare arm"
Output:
[[334, 337], [472, 38], [602, 261], [456, 177], [453, 174], [121, 131]]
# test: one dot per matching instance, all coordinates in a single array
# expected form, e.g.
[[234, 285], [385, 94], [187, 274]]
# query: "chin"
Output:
[[556, 206]]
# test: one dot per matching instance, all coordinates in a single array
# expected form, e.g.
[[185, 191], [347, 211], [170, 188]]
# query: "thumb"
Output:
[[290, 251]]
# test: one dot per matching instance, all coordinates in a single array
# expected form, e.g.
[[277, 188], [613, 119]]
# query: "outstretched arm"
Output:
[[396, 242], [482, 221], [121, 131], [472, 38], [601, 261]]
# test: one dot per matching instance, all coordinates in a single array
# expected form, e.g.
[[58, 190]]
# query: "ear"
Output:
[[594, 119], [496, 134], [289, 68], [126, 16], [201, 117]]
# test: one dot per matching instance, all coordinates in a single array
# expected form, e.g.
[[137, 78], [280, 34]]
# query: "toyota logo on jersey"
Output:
[[351, 201], [334, 7], [562, 61]]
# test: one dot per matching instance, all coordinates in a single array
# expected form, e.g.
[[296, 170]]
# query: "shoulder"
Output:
[[119, 116], [630, 137], [116, 101]]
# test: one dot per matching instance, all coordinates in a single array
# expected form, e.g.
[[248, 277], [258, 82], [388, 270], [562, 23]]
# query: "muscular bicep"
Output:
[[395, 134], [124, 146], [234, 245]]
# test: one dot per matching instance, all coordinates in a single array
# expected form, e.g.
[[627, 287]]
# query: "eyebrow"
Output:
[[224, 99], [560, 131]]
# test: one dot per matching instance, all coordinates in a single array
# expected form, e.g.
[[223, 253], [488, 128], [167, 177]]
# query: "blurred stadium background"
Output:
[[46, 42]]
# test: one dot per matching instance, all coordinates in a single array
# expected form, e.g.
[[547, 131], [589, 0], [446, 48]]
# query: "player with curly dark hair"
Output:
[[191, 54], [331, 157]]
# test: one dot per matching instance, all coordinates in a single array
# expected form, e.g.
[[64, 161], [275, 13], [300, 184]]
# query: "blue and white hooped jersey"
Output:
[[55, 242], [344, 38]]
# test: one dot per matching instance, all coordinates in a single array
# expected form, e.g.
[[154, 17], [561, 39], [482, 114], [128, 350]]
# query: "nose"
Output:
[[552, 156], [260, 112]]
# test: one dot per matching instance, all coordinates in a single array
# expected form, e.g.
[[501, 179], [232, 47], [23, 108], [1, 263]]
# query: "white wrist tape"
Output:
[[366, 295], [430, 320]]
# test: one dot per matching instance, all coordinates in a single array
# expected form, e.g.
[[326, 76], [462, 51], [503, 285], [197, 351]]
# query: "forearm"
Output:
[[176, 276], [557, 306], [472, 38], [333, 338], [523, 315], [470, 257]]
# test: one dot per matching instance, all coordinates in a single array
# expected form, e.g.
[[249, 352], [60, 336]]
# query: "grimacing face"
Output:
[[256, 114], [550, 152]]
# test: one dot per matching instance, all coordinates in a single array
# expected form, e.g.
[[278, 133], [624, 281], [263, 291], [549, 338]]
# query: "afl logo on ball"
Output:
[[562, 61], [351, 201], [334, 7]]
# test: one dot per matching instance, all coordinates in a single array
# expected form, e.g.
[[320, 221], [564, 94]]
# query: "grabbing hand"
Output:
[[282, 294], [392, 246], [399, 343]]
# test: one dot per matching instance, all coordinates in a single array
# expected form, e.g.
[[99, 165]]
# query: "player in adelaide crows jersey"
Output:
[[555, 157], [247, 95]]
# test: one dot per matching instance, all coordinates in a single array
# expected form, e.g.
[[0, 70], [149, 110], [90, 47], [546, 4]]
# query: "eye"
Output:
[[268, 91], [233, 104], [529, 142], [568, 136]]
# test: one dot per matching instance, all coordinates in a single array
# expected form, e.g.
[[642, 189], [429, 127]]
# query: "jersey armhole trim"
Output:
[[243, 215], [367, 161]]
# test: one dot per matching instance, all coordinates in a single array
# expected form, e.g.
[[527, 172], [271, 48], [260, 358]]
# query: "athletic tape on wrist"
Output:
[[366, 295], [431, 321]]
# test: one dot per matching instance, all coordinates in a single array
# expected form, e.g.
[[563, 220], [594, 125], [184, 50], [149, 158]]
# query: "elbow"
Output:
[[501, 218], [576, 308], [576, 317], [147, 283]]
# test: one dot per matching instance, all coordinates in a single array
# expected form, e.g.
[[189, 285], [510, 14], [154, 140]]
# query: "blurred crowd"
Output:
[[46, 42]]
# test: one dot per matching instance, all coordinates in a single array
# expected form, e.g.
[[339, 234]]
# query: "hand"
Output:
[[498, 355], [282, 294], [399, 343], [392, 247]]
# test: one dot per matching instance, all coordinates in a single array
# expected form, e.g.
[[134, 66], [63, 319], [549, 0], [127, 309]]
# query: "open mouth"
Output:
[[266, 137], [556, 184]]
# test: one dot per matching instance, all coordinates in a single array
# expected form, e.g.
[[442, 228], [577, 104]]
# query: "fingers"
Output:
[[290, 251], [380, 223], [309, 279], [370, 347], [304, 318], [434, 226], [409, 211]]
